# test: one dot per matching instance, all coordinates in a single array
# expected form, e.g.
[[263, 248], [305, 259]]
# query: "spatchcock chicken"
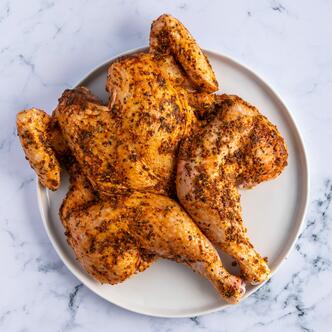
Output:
[[155, 172]]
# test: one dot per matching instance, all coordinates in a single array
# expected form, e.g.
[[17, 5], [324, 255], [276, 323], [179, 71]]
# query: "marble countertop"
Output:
[[47, 46]]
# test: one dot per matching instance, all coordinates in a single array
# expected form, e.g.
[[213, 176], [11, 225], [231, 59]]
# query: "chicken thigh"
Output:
[[126, 259]]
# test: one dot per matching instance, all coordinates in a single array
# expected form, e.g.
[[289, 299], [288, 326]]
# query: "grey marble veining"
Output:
[[47, 46]]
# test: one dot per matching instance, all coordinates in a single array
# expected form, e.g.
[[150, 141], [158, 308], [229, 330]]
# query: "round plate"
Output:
[[273, 211]]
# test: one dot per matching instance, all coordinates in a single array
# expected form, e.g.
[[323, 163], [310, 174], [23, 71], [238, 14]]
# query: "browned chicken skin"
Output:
[[89, 129], [133, 143], [122, 158], [148, 99], [124, 262], [238, 146], [117, 237], [169, 36], [152, 120], [32, 128]]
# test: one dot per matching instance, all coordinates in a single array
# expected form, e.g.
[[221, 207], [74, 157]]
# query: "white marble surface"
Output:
[[47, 46]]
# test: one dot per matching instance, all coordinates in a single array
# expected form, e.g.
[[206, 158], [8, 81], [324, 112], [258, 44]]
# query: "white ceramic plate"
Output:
[[273, 211]]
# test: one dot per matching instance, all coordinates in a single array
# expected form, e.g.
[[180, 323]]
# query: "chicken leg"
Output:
[[239, 146], [111, 238]]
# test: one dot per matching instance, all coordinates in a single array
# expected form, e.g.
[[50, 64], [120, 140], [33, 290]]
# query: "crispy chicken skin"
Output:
[[152, 119], [80, 197], [238, 147], [57, 141], [118, 150], [162, 128], [116, 237], [149, 103], [169, 36], [89, 129], [135, 145], [32, 128]]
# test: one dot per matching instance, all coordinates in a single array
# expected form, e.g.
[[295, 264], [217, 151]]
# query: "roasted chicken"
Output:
[[133, 143], [116, 237], [148, 100], [138, 227], [32, 127], [163, 132], [238, 147]]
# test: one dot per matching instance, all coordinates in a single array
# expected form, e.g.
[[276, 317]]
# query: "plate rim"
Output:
[[305, 183]]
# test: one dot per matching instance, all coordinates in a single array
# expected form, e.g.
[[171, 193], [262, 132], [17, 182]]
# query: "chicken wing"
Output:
[[169, 36], [32, 128]]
